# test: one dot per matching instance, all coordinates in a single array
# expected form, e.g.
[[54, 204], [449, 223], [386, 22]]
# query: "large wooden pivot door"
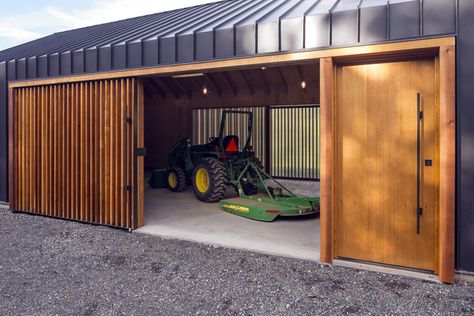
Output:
[[387, 165], [73, 151]]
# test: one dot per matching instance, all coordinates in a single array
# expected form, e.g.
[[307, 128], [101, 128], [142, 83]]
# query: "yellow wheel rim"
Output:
[[202, 180], [173, 180]]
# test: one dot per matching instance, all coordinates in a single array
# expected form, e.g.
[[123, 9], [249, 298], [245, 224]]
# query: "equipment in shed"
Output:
[[211, 167]]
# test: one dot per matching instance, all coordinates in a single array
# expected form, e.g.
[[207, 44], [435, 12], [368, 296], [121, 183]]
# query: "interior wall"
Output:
[[169, 119]]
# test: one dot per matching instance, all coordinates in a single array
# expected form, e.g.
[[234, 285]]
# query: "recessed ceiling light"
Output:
[[205, 91], [303, 84]]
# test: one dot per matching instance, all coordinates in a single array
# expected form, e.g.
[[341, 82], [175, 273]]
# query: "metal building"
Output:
[[53, 92]]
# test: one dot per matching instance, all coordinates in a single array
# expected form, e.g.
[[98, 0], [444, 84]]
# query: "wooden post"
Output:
[[327, 159], [11, 149], [447, 162]]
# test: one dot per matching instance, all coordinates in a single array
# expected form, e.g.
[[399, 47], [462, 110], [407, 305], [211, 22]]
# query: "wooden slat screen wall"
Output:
[[73, 151]]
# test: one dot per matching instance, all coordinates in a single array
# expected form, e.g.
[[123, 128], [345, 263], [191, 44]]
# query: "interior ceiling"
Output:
[[237, 81]]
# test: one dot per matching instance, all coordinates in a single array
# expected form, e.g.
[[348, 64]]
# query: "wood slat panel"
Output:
[[72, 151]]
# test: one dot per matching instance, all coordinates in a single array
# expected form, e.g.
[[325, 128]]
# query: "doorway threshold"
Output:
[[422, 275]]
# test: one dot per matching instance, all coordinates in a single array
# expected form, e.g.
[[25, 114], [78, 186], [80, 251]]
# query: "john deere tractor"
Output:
[[211, 167]]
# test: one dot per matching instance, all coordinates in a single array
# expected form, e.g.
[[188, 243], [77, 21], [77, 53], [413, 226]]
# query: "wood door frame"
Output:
[[444, 46], [447, 143]]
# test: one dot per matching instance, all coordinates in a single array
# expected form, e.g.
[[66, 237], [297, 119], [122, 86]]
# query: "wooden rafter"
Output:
[[169, 86], [282, 77], [229, 83], [212, 82], [264, 80], [246, 82], [154, 88], [299, 69], [183, 88]]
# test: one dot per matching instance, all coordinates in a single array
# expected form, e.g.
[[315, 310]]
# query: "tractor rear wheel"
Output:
[[209, 180], [176, 178]]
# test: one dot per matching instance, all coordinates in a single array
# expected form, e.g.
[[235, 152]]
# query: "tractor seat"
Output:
[[231, 144]]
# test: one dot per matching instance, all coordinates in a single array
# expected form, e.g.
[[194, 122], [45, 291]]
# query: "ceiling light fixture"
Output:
[[188, 75], [205, 91], [303, 84]]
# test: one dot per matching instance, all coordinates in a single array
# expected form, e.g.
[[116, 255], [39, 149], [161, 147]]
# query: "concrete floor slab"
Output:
[[181, 216]]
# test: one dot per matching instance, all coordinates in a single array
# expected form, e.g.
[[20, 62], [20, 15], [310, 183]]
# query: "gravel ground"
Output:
[[51, 266]]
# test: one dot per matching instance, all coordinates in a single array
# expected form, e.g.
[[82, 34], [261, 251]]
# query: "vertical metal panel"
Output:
[[294, 138], [60, 131], [373, 24], [204, 45], [43, 66], [224, 42], [344, 27], [119, 56], [11, 70], [167, 49], [32, 69], [405, 19], [206, 124], [465, 138], [134, 54], [150, 52], [245, 40], [185, 47], [53, 65], [105, 58], [317, 31], [439, 16], [268, 37], [3, 133], [21, 69], [66, 63], [291, 34], [78, 62], [91, 60]]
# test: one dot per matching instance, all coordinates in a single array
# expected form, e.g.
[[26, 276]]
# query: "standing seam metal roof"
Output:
[[227, 29]]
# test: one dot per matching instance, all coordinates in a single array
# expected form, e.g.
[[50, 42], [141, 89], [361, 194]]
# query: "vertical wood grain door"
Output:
[[74, 153], [387, 163]]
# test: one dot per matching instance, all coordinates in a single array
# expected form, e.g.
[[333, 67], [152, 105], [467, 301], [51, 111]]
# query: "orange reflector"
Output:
[[232, 146], [273, 212]]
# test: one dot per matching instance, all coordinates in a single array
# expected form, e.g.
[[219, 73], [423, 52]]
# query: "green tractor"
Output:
[[211, 167]]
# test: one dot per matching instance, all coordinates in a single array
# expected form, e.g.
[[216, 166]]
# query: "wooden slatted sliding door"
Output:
[[74, 151]]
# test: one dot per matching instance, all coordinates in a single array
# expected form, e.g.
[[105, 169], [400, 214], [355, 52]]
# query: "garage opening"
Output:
[[284, 135]]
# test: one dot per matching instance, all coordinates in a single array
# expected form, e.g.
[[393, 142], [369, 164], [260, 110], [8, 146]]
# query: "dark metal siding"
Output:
[[465, 137], [3, 133], [246, 27]]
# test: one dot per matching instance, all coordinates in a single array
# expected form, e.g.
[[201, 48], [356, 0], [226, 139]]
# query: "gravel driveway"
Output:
[[51, 266]]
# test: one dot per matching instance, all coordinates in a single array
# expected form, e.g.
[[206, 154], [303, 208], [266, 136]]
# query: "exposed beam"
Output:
[[282, 77], [247, 84], [212, 82], [154, 88], [183, 88], [299, 69], [264, 80], [169, 86], [229, 82]]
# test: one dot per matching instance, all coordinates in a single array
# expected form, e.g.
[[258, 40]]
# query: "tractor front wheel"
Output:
[[209, 180], [176, 178]]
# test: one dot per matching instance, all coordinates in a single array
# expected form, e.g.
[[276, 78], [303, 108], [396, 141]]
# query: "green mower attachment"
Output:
[[271, 200]]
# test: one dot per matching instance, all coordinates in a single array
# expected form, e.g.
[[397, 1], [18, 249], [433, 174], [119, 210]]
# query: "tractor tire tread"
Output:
[[218, 174], [181, 179]]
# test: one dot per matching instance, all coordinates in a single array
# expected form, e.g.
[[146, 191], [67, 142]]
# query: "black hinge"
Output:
[[421, 115], [129, 188], [140, 152], [129, 120]]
